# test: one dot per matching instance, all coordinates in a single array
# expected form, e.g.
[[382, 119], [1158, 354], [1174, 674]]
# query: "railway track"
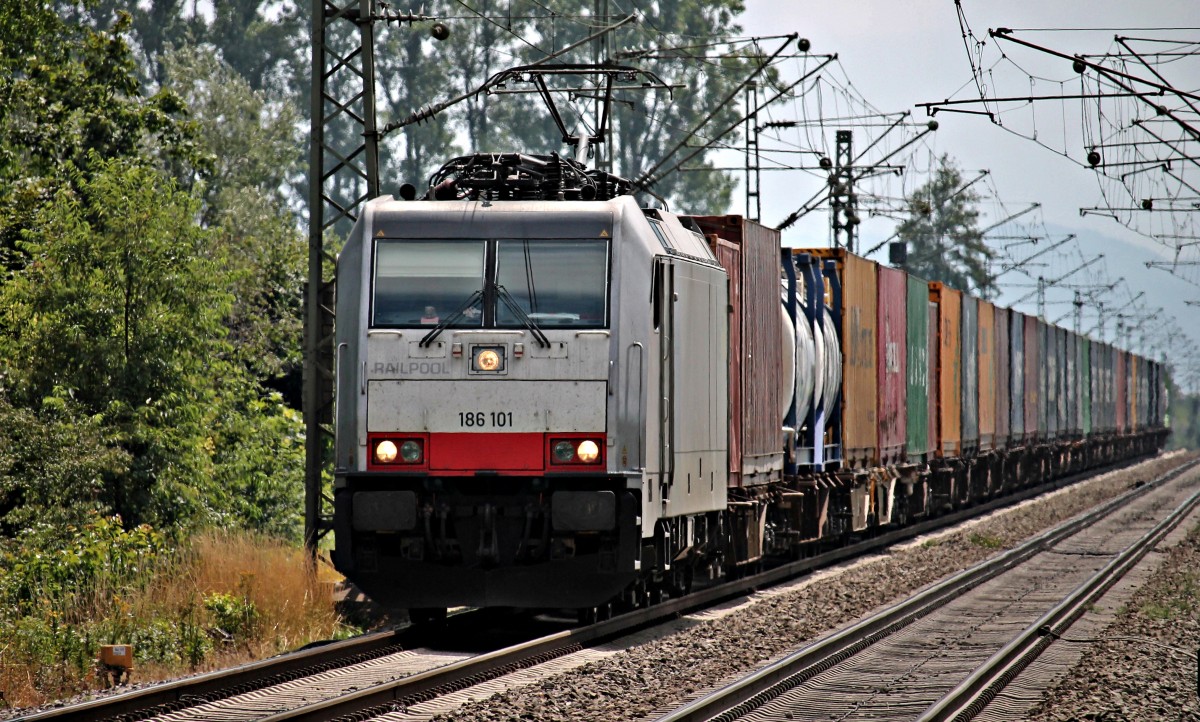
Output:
[[948, 652], [390, 671]]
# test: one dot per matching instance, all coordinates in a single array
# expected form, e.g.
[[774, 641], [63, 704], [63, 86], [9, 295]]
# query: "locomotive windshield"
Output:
[[556, 283], [543, 282], [419, 282]]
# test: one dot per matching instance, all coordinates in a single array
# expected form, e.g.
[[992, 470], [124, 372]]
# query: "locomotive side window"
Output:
[[420, 282], [555, 282]]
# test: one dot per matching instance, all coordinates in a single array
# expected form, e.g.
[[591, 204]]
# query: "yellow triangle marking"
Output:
[[379, 234], [604, 234]]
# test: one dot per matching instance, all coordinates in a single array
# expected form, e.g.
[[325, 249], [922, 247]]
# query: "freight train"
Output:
[[549, 396]]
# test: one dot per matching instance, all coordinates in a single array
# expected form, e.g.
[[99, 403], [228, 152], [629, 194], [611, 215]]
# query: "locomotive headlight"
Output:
[[410, 451], [487, 359], [386, 451], [564, 452], [588, 451]]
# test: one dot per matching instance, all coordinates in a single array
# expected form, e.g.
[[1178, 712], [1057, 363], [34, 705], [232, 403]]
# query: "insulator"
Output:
[[1093, 158]]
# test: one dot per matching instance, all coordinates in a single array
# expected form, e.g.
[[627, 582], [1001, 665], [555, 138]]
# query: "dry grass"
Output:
[[293, 606], [294, 600]]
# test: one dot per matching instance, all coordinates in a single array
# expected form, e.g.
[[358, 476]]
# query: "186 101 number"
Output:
[[484, 419]]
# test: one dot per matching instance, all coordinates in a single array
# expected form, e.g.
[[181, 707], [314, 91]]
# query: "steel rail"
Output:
[[759, 687], [193, 691], [974, 693]]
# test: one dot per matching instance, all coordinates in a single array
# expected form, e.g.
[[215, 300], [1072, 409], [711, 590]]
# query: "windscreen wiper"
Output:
[[453, 318], [519, 312]]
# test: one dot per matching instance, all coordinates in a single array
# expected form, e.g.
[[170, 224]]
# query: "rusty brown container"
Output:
[[1035, 376], [950, 370], [987, 375], [892, 363], [1003, 379], [859, 403], [749, 253], [1135, 396]]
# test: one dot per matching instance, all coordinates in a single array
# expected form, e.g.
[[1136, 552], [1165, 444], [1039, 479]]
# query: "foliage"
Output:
[[416, 72], [65, 568], [253, 136], [987, 541], [944, 242], [1183, 416], [120, 309], [64, 591], [53, 461], [71, 99], [263, 40]]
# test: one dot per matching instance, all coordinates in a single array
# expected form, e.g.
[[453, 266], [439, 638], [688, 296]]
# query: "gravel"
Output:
[[669, 671], [1145, 666]]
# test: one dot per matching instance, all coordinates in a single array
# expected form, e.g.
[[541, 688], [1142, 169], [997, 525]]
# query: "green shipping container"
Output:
[[917, 404]]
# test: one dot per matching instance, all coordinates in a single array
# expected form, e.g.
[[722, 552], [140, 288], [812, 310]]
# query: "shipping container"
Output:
[[819, 382], [987, 376], [749, 253], [1035, 379], [1048, 381], [1069, 401], [1003, 377], [860, 435], [933, 351], [1064, 374], [1107, 388], [1135, 396], [917, 396], [1086, 385], [1016, 377], [1121, 396], [949, 368], [892, 363], [970, 374]]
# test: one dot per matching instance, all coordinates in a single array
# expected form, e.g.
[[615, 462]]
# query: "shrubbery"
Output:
[[222, 597]]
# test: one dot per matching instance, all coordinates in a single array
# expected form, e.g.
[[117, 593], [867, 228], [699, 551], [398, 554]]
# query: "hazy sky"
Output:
[[898, 53]]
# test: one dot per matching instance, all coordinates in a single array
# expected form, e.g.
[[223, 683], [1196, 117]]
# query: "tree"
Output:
[[416, 72], [118, 320], [120, 310], [941, 233], [253, 138], [71, 98]]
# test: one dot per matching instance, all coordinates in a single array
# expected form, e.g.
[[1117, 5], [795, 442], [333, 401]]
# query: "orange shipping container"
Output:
[[987, 376], [1034, 422], [860, 435], [949, 364]]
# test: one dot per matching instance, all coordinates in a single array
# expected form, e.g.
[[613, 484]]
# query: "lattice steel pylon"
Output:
[[842, 199], [343, 91]]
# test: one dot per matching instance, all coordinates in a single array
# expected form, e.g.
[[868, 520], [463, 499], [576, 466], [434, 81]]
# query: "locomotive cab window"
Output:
[[544, 282], [419, 283], [552, 282]]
